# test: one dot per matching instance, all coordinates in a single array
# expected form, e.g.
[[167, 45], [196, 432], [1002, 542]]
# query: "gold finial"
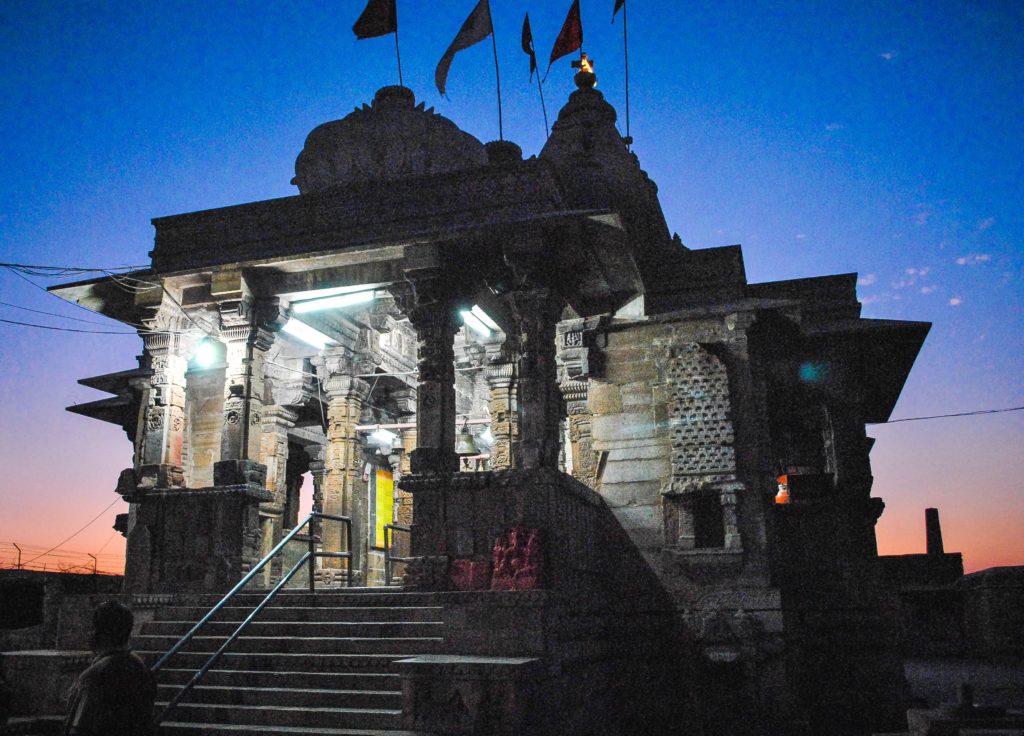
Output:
[[585, 77]]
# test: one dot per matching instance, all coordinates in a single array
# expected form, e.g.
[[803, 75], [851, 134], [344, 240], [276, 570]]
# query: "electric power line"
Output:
[[52, 314], [64, 541], [65, 329], [959, 414]]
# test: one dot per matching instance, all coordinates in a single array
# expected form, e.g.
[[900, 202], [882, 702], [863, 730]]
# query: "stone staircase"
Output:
[[317, 664]]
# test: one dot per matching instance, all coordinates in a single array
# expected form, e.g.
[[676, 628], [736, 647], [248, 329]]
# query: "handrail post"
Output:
[[387, 555], [312, 560], [348, 542]]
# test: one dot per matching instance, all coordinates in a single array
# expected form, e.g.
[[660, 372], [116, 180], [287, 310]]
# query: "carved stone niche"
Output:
[[703, 519]]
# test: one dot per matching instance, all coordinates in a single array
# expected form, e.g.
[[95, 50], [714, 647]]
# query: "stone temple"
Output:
[[659, 519]]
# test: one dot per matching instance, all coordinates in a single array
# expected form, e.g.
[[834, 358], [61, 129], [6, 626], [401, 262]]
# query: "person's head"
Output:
[[111, 625]]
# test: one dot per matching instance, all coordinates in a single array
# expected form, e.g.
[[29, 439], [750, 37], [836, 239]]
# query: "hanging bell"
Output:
[[464, 444]]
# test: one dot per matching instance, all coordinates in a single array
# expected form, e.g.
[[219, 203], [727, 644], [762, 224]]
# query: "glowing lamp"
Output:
[[307, 334], [782, 497], [333, 302], [206, 354]]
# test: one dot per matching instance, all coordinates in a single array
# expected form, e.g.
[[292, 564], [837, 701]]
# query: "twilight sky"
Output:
[[825, 137]]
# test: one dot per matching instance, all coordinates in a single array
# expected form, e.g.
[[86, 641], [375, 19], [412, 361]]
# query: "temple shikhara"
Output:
[[592, 481]]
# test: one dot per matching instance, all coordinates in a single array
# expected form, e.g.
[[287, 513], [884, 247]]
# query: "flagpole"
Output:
[[625, 51], [497, 76], [398, 54], [540, 88]]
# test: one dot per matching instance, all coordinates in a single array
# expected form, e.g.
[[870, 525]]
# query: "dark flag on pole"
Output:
[[528, 45], [618, 7], [531, 52], [570, 38], [476, 28], [378, 19]]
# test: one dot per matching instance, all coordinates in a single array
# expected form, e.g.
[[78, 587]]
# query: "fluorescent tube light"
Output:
[[332, 302], [306, 333], [475, 323], [484, 317]]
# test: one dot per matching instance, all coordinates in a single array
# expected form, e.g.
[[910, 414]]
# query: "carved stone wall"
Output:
[[703, 452]]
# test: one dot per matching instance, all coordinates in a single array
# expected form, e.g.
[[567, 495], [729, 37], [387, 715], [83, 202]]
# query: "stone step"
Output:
[[238, 614], [284, 679], [298, 644], [292, 697], [291, 662], [353, 597], [277, 715], [363, 629], [177, 728]]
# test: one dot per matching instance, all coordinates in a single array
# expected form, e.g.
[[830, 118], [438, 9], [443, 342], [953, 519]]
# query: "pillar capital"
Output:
[[345, 387]]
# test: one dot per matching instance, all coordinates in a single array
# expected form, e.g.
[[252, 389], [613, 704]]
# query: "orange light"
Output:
[[782, 497]]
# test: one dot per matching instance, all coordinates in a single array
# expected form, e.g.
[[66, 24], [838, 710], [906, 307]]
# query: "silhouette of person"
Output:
[[114, 696]]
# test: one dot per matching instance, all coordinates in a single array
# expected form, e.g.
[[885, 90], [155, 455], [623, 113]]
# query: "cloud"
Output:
[[889, 55], [986, 224], [867, 279], [921, 218], [955, 301], [801, 236], [927, 289], [834, 126], [973, 259], [913, 275], [877, 298]]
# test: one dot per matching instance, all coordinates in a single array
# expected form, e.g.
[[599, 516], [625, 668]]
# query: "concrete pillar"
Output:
[[503, 405]]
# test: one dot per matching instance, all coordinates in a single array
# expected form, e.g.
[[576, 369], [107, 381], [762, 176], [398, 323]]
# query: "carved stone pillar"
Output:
[[277, 420], [406, 400], [430, 308], [536, 313], [503, 407], [161, 436], [246, 341], [584, 459], [344, 492], [317, 469]]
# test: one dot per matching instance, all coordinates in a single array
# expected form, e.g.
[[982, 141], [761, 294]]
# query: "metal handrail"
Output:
[[308, 557], [388, 557]]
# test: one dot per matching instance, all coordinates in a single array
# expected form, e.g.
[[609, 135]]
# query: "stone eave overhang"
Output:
[[105, 295], [882, 350], [120, 409], [360, 214]]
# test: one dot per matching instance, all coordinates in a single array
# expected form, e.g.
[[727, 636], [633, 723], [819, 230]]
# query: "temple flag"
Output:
[[617, 8], [476, 28], [379, 18], [570, 38], [528, 45]]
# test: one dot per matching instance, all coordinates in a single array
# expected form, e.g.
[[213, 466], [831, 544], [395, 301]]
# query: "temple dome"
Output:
[[393, 138]]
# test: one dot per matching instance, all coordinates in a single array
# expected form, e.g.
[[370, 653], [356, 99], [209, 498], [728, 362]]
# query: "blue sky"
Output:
[[825, 137]]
